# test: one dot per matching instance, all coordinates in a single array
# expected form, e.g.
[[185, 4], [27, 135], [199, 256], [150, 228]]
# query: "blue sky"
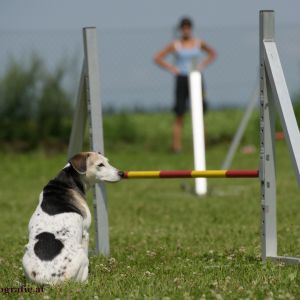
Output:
[[72, 14], [131, 31]]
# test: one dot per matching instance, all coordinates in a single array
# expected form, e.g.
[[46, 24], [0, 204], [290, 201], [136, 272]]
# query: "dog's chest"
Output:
[[88, 218]]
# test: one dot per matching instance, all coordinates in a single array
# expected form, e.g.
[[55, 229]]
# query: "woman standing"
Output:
[[187, 50]]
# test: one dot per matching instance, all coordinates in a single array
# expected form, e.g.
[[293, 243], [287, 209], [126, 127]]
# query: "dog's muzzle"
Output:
[[121, 173]]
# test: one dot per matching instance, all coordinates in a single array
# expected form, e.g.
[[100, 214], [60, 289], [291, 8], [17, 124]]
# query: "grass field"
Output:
[[165, 242]]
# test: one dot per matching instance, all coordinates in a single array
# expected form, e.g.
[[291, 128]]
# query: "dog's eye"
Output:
[[101, 165]]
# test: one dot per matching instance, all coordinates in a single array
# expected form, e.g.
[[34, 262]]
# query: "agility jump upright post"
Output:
[[273, 95], [89, 107], [195, 84]]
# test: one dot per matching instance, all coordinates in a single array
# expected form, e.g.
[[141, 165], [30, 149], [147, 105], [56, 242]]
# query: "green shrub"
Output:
[[296, 105], [120, 129], [54, 109], [34, 107]]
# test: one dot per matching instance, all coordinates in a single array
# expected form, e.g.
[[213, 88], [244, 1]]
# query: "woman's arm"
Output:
[[159, 59], [210, 57]]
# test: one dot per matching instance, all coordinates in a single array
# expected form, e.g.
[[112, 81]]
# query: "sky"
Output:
[[231, 26], [73, 14]]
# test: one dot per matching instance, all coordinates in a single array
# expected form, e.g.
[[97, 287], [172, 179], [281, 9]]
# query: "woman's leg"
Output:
[[204, 98], [181, 97], [177, 134]]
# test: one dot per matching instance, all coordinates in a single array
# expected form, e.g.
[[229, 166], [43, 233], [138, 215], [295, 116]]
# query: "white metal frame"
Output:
[[89, 107], [273, 95]]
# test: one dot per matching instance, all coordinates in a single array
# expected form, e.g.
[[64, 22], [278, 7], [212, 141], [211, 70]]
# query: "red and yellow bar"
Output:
[[192, 174]]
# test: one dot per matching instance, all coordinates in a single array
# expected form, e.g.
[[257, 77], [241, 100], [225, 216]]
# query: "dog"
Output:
[[59, 228]]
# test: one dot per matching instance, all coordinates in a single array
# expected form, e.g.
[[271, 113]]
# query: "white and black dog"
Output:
[[59, 227]]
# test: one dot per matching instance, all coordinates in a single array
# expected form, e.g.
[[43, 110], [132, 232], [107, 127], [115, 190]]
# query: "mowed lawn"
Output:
[[166, 243]]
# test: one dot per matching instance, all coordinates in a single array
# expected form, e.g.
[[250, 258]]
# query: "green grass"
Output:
[[165, 242]]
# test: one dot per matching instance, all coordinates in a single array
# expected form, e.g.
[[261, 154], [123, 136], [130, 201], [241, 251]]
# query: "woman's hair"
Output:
[[186, 21]]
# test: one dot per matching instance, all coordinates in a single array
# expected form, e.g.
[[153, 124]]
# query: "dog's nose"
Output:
[[121, 173]]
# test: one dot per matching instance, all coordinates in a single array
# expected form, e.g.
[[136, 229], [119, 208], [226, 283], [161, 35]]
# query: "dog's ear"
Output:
[[78, 162]]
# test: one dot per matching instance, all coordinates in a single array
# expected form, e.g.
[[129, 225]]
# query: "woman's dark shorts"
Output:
[[182, 95]]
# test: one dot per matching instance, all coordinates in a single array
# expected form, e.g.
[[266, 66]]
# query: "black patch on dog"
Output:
[[56, 194], [33, 273], [47, 246]]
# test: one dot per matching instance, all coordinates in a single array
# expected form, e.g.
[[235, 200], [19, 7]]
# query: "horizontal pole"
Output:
[[191, 174]]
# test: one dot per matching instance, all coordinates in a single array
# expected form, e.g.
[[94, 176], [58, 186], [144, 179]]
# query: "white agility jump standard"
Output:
[[196, 98], [89, 107], [273, 95]]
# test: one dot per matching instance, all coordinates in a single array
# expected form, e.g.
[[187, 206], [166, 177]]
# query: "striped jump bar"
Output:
[[192, 174]]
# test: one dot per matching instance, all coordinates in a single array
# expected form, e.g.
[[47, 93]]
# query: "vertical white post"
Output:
[[96, 134], [195, 84], [267, 147]]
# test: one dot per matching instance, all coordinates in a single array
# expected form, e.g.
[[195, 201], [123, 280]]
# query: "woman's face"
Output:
[[186, 31]]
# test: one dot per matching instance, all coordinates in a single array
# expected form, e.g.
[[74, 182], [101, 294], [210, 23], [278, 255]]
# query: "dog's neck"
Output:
[[86, 184], [71, 178]]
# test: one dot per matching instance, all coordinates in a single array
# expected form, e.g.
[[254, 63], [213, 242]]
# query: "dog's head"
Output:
[[94, 167]]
